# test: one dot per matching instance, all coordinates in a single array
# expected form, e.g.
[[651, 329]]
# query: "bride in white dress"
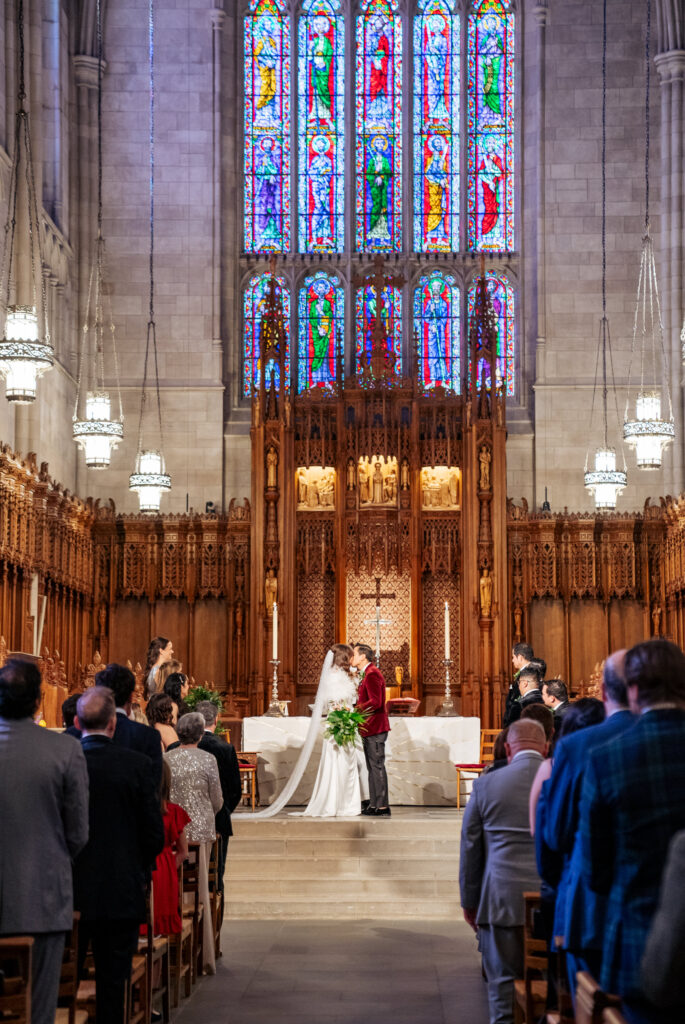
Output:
[[341, 781]]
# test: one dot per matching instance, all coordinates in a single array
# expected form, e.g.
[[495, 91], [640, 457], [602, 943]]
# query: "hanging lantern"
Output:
[[23, 357], [98, 435], [149, 480], [648, 434], [605, 482]]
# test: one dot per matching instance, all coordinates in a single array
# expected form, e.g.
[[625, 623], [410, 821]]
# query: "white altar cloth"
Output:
[[420, 756]]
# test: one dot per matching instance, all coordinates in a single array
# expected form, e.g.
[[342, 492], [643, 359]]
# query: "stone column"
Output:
[[670, 65], [541, 16]]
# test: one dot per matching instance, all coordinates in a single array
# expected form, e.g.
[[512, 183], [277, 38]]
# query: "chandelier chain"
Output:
[[648, 43]]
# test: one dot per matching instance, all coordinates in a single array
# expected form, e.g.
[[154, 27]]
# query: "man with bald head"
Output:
[[582, 911], [111, 872], [497, 863]]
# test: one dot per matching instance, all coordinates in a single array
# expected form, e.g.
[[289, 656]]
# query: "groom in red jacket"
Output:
[[374, 731]]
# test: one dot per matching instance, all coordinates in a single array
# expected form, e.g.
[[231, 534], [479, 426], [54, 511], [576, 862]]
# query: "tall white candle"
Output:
[[275, 633], [447, 631]]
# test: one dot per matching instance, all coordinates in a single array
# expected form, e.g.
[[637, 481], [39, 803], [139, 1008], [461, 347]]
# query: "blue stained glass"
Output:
[[502, 298], [437, 323], [254, 304], [267, 127], [378, 106], [491, 127], [321, 315], [436, 127], [365, 322], [321, 195]]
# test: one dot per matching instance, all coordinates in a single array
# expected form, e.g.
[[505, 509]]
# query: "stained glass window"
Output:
[[436, 127], [321, 313], [254, 302], [379, 128], [365, 322], [267, 127], [321, 75], [491, 127], [502, 298], [436, 321]]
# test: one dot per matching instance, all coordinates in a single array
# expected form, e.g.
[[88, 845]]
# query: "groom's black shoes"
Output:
[[365, 804], [382, 812], [368, 811]]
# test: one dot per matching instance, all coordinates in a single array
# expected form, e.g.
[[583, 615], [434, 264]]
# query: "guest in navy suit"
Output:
[[631, 807]]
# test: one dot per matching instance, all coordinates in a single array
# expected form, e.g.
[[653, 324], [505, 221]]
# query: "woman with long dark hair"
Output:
[[159, 652]]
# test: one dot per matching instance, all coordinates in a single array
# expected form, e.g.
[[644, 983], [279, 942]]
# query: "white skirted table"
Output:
[[420, 757]]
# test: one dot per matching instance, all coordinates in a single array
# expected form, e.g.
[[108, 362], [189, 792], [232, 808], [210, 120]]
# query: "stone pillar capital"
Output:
[[86, 70], [541, 13], [670, 65], [218, 17]]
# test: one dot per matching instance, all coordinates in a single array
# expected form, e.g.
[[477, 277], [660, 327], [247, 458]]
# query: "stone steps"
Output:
[[290, 867]]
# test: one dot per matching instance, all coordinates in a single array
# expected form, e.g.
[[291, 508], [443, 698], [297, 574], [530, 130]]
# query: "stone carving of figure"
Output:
[[486, 594], [239, 619], [350, 474], [312, 493], [517, 621], [271, 467], [444, 492], [390, 485], [484, 458], [364, 495], [404, 475], [453, 487], [656, 621], [302, 487], [377, 483], [270, 591], [287, 408], [327, 488]]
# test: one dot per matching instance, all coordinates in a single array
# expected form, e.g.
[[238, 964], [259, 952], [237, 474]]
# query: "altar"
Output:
[[420, 757]]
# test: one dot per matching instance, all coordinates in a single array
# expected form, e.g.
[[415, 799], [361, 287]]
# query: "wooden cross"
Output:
[[378, 280], [377, 620]]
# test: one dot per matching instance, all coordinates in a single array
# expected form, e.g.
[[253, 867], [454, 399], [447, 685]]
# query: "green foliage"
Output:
[[200, 693], [342, 725]]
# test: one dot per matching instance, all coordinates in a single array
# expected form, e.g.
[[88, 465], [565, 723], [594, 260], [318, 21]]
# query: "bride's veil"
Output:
[[306, 752]]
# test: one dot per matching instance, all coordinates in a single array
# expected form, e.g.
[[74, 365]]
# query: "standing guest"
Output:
[[68, 714], [160, 715], [168, 669], [110, 873], [540, 666], [529, 690], [498, 864], [196, 786], [159, 652], [229, 775], [122, 682], [43, 825], [374, 731], [177, 686], [521, 655], [555, 697], [631, 807], [663, 963]]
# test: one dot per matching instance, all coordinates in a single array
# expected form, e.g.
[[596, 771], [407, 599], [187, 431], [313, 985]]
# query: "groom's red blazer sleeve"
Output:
[[371, 697]]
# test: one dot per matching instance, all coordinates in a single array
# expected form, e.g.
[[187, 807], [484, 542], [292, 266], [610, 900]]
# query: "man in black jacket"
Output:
[[111, 872], [529, 688], [128, 733], [229, 774], [520, 656]]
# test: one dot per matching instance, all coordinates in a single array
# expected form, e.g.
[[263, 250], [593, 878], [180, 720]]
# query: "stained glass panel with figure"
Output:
[[321, 314], [437, 323], [502, 297]]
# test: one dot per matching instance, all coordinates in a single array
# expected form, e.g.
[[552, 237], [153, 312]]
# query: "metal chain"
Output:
[[648, 40], [604, 221], [21, 95], [99, 44]]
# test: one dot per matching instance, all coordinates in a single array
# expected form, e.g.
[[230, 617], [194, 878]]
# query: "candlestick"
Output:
[[274, 708], [274, 638], [447, 631], [447, 709]]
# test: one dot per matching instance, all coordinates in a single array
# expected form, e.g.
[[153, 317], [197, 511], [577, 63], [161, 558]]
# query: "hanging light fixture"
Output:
[[648, 433], [605, 482], [25, 349], [150, 478], [97, 432]]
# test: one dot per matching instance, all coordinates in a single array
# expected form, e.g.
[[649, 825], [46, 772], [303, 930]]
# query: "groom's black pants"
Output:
[[374, 752]]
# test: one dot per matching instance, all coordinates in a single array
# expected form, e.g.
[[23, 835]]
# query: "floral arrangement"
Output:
[[343, 724], [198, 693]]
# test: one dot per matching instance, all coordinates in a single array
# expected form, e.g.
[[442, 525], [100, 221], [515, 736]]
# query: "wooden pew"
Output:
[[15, 991]]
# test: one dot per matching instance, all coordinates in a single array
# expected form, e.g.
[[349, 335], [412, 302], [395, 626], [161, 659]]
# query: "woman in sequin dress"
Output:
[[195, 786]]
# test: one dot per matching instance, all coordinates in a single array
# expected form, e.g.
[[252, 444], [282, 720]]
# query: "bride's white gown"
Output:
[[341, 781]]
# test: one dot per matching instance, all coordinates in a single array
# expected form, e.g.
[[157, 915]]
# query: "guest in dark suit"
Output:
[[529, 690], [130, 734], [631, 807], [229, 775], [43, 824], [126, 834], [555, 697], [663, 963], [521, 655], [374, 731]]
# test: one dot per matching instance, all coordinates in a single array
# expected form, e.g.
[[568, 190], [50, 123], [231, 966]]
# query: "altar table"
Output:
[[420, 756]]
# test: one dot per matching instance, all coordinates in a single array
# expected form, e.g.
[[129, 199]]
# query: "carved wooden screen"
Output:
[[436, 590], [396, 638], [315, 627]]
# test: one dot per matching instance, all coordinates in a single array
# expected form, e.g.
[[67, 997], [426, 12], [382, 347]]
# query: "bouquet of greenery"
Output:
[[198, 693], [343, 724]]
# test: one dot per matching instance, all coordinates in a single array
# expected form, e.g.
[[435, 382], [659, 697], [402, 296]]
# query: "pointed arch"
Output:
[[321, 127], [254, 301], [437, 69], [437, 324], [491, 127], [501, 295], [267, 127], [321, 325], [378, 108]]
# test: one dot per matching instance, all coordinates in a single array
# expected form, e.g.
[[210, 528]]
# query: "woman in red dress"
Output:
[[165, 876]]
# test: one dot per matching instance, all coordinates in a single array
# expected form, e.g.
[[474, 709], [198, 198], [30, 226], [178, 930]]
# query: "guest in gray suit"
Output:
[[498, 863], [44, 816]]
